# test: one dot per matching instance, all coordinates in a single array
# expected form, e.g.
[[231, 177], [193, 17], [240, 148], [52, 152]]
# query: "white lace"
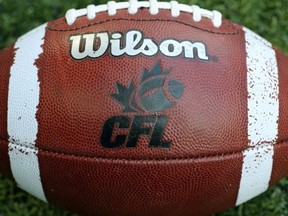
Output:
[[154, 6]]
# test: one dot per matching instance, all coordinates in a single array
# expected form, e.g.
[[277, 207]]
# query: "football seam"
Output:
[[150, 159], [52, 28]]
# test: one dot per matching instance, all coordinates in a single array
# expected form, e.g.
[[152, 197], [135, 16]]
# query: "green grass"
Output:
[[267, 18]]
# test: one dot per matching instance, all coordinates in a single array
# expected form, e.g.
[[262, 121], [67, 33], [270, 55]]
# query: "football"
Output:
[[143, 108]]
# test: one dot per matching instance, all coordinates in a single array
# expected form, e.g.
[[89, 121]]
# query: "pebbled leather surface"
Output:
[[280, 156], [6, 60], [208, 120], [141, 187]]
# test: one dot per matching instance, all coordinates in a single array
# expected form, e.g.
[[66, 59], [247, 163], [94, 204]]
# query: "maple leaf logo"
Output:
[[123, 95], [153, 94]]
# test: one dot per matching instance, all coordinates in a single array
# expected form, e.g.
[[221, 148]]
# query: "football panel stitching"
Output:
[[160, 159], [143, 20]]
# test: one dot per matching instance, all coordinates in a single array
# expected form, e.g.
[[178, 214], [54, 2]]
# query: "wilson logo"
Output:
[[154, 94], [133, 43]]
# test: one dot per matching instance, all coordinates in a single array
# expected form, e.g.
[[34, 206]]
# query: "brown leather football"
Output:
[[143, 108]]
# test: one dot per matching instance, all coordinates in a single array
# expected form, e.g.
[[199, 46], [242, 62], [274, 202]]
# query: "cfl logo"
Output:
[[124, 131]]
